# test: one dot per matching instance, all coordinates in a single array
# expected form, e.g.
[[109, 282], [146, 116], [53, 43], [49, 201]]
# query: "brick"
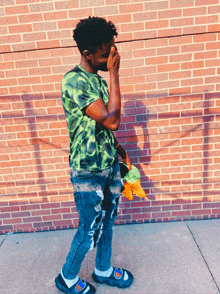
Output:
[[3, 30], [9, 209], [10, 39], [85, 3], [22, 226], [16, 73], [34, 36], [169, 13], [61, 5], [204, 38], [144, 16], [48, 44], [5, 48], [192, 65], [30, 18], [194, 30], [188, 82], [169, 84], [8, 20], [41, 7], [132, 63], [55, 15], [202, 211], [8, 82], [20, 29], [213, 9], [7, 65], [205, 2], [19, 9], [181, 22], [156, 60], [157, 77], [150, 25], [156, 5], [192, 48], [5, 215], [120, 18], [206, 20], [214, 27], [45, 26], [169, 32], [26, 64], [50, 205], [182, 3], [168, 50], [107, 10], [62, 223], [168, 67], [138, 26], [29, 80], [8, 227], [32, 219], [59, 34], [204, 72], [179, 75], [131, 8], [202, 89], [24, 46], [8, 2], [145, 34], [181, 213]]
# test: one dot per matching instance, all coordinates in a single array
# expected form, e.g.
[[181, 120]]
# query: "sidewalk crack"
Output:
[[2, 242], [203, 258]]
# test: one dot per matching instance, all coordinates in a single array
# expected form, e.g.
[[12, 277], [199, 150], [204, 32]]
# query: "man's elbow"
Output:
[[114, 127]]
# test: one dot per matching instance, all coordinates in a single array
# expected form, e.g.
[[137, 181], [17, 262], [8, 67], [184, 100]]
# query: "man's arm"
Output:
[[109, 116]]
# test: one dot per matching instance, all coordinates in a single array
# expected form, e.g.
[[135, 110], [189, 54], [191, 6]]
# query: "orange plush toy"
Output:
[[132, 182]]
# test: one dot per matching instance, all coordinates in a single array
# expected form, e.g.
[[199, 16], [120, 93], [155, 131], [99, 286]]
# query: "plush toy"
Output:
[[132, 182]]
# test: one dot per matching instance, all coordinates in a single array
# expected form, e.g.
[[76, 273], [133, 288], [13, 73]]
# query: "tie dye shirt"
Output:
[[91, 144]]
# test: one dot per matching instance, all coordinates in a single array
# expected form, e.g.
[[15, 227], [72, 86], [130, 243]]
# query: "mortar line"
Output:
[[203, 258]]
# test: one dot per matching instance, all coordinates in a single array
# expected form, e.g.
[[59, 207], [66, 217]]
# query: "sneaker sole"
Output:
[[115, 283], [66, 291]]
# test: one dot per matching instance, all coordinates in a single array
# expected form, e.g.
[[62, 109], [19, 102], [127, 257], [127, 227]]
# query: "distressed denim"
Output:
[[97, 196]]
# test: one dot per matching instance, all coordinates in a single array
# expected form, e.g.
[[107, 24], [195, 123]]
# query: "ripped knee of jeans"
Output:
[[115, 202], [96, 229]]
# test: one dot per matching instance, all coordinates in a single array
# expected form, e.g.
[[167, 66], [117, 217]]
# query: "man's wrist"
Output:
[[121, 151]]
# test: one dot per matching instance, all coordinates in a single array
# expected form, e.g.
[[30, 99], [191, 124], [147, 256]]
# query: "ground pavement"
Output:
[[165, 258]]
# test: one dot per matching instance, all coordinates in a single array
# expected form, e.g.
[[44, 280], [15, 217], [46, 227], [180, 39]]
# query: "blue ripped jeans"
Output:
[[97, 196]]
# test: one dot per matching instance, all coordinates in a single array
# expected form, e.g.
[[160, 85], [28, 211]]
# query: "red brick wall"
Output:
[[170, 122]]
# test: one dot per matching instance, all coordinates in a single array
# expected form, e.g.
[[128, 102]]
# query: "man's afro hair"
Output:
[[92, 32]]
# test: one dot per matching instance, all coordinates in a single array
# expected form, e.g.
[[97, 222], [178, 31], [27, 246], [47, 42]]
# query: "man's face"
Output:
[[99, 59]]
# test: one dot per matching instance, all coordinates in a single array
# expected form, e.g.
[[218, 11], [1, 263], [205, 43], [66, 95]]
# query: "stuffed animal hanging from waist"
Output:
[[132, 182]]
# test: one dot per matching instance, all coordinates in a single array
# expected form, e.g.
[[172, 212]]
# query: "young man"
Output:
[[92, 114]]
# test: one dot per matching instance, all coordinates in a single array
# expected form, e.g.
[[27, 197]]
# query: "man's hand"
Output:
[[127, 161], [113, 62]]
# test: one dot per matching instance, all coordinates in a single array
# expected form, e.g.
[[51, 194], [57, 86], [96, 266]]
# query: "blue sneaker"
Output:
[[119, 277], [81, 287]]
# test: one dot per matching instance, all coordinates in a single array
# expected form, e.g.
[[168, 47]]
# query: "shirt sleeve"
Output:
[[81, 91]]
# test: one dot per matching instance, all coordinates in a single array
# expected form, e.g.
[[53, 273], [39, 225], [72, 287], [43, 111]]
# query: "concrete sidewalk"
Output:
[[165, 258]]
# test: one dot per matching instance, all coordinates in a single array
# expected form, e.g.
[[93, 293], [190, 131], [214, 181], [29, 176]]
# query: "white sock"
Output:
[[104, 273], [68, 282]]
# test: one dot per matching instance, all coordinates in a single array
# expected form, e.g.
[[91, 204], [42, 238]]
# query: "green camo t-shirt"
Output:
[[91, 144]]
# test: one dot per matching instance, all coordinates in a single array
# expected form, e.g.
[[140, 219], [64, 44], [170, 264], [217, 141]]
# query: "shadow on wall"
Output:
[[140, 152], [140, 147]]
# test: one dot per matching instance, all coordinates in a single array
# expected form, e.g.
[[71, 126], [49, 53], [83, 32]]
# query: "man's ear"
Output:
[[87, 54]]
